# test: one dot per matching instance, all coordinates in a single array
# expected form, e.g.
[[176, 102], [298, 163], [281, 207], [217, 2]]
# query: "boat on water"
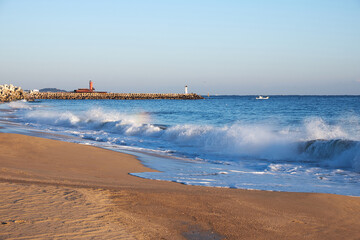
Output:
[[262, 97]]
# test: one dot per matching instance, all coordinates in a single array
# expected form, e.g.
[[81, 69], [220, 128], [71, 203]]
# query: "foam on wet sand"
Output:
[[53, 189]]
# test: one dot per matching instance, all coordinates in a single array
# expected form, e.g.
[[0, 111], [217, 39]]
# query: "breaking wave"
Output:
[[336, 153], [19, 105], [313, 142]]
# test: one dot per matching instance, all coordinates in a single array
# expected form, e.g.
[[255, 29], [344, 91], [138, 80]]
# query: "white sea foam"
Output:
[[22, 104], [317, 128], [314, 141]]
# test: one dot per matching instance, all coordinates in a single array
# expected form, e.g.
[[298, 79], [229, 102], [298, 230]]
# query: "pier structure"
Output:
[[11, 93], [115, 96]]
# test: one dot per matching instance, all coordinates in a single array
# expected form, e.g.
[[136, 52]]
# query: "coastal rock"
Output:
[[9, 92]]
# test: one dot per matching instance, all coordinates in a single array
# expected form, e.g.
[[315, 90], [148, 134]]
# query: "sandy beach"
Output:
[[57, 190]]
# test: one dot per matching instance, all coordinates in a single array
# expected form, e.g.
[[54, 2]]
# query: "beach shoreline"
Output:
[[49, 178]]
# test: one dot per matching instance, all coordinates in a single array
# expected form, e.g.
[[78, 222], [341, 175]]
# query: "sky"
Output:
[[221, 47]]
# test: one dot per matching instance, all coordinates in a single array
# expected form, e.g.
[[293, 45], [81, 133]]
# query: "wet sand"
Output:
[[53, 189]]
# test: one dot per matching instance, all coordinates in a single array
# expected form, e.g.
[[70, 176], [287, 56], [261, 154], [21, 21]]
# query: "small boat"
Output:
[[262, 98]]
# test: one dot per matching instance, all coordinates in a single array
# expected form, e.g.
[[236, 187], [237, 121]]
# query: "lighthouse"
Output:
[[186, 90], [91, 88]]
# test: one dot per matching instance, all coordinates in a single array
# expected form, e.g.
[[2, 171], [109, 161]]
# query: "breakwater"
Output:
[[115, 96], [9, 92]]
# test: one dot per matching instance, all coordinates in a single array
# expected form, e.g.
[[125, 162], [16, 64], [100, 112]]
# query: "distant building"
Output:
[[87, 90], [186, 90]]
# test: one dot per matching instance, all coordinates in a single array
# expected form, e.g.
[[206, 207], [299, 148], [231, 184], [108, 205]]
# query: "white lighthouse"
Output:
[[186, 91]]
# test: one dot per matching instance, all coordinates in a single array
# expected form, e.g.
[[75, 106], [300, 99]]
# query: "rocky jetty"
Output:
[[9, 92], [115, 96]]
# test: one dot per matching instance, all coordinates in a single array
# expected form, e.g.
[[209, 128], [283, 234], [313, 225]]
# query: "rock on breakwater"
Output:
[[115, 96], [9, 92]]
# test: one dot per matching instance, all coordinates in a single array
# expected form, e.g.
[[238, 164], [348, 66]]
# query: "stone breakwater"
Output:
[[9, 92], [115, 96]]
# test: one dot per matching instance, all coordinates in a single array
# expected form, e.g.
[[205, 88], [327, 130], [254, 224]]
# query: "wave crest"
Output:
[[336, 153], [235, 141]]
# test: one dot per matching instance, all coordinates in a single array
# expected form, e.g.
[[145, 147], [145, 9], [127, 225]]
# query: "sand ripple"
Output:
[[56, 212]]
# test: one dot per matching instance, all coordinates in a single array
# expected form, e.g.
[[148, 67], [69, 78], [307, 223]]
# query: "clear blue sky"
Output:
[[221, 47]]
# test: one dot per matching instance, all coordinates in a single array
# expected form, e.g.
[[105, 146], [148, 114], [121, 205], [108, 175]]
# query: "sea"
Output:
[[284, 143]]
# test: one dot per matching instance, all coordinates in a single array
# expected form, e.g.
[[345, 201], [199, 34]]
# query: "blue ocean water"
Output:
[[285, 143]]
